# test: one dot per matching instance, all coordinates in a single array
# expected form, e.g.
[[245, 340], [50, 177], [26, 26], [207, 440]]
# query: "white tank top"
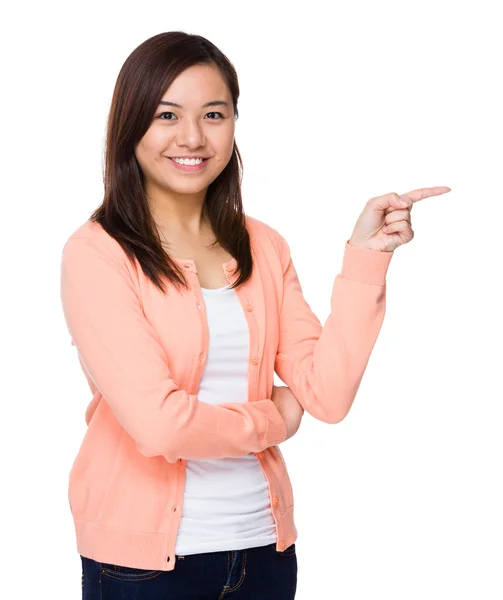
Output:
[[226, 503]]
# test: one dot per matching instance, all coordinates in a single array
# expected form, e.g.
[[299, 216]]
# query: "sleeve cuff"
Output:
[[276, 432], [365, 265]]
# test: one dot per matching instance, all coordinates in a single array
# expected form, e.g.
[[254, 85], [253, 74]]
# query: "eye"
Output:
[[170, 113]]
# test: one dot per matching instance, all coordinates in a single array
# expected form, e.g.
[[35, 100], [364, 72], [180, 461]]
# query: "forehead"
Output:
[[196, 85]]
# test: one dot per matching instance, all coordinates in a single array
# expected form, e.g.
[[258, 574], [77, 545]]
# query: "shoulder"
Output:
[[264, 232], [91, 239], [269, 238]]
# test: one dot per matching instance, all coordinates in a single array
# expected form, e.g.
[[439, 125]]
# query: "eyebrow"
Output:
[[212, 103]]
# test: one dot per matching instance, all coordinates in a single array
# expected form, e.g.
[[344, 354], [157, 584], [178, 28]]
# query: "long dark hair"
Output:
[[124, 212]]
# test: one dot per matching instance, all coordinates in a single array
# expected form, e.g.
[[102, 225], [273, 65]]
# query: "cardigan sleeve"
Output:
[[124, 358], [324, 365]]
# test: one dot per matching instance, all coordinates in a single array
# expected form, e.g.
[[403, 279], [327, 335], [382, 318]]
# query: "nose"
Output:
[[190, 134]]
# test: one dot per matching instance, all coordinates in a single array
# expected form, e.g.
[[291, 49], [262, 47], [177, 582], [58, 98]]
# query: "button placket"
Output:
[[200, 305], [253, 350], [248, 308]]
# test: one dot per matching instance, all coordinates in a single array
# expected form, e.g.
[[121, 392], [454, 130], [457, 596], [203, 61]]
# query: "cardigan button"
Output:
[[276, 501], [282, 545], [261, 454], [248, 307], [254, 361], [228, 267]]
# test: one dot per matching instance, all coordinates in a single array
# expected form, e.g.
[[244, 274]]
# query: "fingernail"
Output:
[[403, 202]]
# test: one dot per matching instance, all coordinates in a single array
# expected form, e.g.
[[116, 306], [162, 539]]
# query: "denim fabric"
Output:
[[261, 573]]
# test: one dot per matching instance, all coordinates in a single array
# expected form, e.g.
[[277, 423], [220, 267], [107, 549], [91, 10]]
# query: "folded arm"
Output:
[[123, 357]]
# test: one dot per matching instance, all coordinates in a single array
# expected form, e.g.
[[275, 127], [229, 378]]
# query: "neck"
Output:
[[179, 214]]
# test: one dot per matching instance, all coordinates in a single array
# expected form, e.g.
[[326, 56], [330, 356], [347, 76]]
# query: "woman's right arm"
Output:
[[122, 355]]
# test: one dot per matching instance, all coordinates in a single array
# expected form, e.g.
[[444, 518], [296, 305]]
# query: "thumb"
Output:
[[402, 201]]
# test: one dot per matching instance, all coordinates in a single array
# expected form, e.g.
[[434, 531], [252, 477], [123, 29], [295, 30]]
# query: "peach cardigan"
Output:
[[143, 353]]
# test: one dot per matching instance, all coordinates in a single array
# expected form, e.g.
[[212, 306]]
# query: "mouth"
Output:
[[190, 167]]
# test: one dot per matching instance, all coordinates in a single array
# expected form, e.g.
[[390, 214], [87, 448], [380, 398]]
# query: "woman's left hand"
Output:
[[289, 408], [385, 223]]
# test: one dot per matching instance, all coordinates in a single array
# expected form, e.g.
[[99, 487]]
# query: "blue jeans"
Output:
[[260, 573]]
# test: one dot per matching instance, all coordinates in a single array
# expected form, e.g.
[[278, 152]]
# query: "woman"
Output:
[[181, 309]]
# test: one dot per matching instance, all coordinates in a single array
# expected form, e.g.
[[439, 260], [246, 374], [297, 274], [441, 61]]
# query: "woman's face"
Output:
[[189, 129]]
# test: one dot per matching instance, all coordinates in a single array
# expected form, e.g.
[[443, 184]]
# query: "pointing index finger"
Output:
[[422, 193]]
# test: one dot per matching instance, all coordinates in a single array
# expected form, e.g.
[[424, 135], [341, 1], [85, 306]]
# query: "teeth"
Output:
[[188, 161]]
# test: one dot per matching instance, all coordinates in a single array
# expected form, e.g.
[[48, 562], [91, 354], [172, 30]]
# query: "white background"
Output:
[[339, 102]]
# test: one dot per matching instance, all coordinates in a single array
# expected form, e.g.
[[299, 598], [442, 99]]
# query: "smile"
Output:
[[189, 164]]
